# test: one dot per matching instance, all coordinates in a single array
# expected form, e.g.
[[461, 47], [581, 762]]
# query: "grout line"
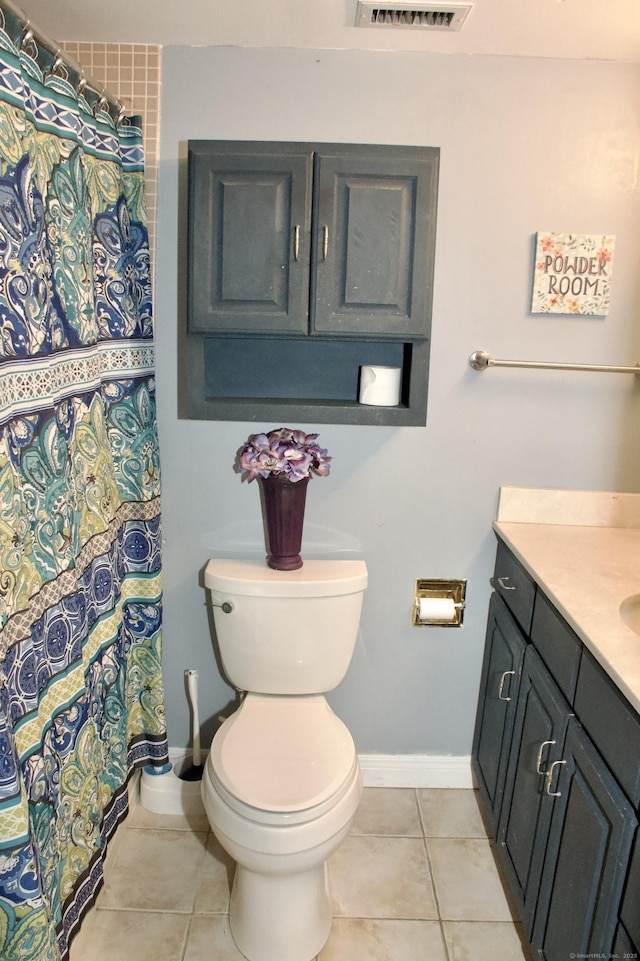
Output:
[[433, 880], [187, 937]]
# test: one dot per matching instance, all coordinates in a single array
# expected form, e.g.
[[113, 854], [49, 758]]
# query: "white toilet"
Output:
[[282, 784]]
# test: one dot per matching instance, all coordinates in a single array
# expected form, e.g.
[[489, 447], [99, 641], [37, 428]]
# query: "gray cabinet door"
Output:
[[249, 222], [592, 829], [373, 240], [499, 685], [539, 732]]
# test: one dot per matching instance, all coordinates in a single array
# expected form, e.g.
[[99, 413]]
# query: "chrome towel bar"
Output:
[[480, 360]]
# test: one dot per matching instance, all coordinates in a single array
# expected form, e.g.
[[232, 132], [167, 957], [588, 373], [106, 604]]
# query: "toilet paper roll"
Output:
[[380, 386], [437, 609]]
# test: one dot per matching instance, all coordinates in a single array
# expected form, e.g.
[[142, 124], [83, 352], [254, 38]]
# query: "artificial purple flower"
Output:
[[283, 452]]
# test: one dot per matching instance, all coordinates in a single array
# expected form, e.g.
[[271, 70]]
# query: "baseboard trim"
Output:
[[395, 770], [415, 770]]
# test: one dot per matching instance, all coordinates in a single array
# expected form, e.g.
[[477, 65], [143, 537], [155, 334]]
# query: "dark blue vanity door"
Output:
[[590, 839], [502, 667], [538, 738]]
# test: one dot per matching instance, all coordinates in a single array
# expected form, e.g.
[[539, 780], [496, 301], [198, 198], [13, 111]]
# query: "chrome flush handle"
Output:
[[226, 606]]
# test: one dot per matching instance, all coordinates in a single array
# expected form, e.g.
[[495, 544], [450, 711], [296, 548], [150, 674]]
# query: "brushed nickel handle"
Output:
[[539, 768], [325, 242], [501, 688], [502, 581], [550, 779], [296, 241]]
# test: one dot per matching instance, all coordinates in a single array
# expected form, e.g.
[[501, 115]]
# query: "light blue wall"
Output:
[[526, 145]]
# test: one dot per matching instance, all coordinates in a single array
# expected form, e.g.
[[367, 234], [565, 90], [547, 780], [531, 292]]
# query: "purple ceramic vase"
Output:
[[284, 502]]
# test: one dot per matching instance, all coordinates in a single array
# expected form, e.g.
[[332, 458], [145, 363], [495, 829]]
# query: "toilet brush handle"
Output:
[[192, 688]]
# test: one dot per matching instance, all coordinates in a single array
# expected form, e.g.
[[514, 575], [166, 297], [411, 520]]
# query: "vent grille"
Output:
[[451, 17]]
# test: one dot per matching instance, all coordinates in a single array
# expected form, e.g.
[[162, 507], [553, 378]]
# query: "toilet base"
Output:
[[281, 918]]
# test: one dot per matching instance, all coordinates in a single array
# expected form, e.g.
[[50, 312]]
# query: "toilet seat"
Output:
[[283, 759]]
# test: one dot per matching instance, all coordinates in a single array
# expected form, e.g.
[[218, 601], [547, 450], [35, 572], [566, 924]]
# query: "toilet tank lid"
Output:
[[316, 578]]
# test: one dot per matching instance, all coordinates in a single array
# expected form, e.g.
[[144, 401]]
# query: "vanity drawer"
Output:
[[559, 646], [515, 586], [612, 723]]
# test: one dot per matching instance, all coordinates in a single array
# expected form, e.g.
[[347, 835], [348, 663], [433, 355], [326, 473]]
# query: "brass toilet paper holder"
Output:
[[442, 615]]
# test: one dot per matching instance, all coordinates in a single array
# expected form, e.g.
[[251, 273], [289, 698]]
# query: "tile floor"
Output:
[[414, 881]]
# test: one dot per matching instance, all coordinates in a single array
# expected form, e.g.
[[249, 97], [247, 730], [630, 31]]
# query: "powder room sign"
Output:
[[572, 274]]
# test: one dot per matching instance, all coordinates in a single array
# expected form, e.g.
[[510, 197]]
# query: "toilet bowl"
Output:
[[281, 788], [282, 784]]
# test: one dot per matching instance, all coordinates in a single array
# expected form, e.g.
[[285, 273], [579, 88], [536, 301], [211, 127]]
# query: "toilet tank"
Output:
[[286, 632]]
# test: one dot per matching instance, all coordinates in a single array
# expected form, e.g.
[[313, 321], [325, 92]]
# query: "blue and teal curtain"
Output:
[[81, 699]]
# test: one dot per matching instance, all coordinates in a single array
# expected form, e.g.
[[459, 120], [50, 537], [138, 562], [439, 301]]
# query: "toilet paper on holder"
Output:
[[439, 603], [436, 609]]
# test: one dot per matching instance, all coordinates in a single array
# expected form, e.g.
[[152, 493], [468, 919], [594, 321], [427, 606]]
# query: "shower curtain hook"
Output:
[[28, 37], [101, 105], [55, 66]]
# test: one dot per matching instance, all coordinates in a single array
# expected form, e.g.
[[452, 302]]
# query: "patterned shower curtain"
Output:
[[81, 699]]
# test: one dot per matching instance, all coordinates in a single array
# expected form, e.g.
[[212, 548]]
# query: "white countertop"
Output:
[[586, 571]]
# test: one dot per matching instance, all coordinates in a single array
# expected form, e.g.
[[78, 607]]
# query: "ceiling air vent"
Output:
[[419, 15]]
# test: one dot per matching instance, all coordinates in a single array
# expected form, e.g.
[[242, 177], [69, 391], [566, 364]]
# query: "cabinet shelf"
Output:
[[304, 379], [313, 411]]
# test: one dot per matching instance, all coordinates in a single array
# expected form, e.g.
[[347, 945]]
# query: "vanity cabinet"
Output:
[[306, 261], [566, 814]]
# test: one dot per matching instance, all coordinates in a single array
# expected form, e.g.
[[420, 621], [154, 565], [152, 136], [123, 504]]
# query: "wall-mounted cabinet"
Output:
[[305, 262]]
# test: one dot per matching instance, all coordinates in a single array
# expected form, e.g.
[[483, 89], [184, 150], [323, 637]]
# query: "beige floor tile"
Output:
[[161, 869], [141, 818], [377, 940], [450, 813], [388, 811], [154, 871], [130, 936], [377, 877], [210, 940], [483, 941], [466, 879], [214, 881]]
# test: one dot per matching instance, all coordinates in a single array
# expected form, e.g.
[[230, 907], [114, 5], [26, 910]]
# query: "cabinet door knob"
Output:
[[502, 683], [296, 241], [539, 768], [502, 581], [550, 779], [325, 242]]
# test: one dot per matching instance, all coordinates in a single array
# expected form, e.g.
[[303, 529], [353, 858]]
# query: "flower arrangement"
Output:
[[283, 453]]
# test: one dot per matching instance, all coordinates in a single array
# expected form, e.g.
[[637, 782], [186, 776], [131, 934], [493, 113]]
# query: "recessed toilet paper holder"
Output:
[[438, 603]]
